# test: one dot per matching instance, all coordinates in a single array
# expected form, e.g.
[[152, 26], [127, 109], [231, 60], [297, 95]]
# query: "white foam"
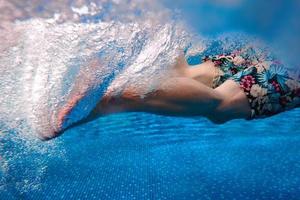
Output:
[[84, 10], [51, 56]]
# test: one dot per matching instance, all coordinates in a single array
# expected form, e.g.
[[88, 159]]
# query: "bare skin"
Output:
[[188, 93]]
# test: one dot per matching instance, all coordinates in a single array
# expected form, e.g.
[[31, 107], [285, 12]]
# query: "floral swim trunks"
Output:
[[269, 86]]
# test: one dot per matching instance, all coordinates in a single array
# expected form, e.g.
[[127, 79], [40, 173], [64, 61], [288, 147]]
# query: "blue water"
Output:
[[143, 156], [137, 156]]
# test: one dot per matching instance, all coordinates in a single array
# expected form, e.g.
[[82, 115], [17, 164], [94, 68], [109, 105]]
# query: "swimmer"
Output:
[[239, 85]]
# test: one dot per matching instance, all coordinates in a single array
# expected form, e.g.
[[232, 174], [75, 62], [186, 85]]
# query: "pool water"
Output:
[[142, 156], [139, 156]]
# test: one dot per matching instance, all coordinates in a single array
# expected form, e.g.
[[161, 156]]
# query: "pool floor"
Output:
[[142, 156]]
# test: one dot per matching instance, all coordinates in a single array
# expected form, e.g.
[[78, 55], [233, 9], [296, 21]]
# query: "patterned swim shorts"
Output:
[[269, 86]]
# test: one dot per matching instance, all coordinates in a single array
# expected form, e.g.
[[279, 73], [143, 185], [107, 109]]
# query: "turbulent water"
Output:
[[46, 59], [48, 63]]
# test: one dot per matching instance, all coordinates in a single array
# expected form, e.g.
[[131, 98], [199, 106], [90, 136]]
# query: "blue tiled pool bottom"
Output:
[[142, 156]]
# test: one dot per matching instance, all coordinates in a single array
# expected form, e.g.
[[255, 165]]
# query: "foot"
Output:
[[61, 119], [67, 109]]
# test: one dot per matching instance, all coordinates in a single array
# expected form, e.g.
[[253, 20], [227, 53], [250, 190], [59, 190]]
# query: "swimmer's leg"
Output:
[[185, 97], [175, 97], [181, 96]]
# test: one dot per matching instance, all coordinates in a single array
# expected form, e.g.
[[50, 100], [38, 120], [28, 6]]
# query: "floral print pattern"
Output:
[[268, 85]]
